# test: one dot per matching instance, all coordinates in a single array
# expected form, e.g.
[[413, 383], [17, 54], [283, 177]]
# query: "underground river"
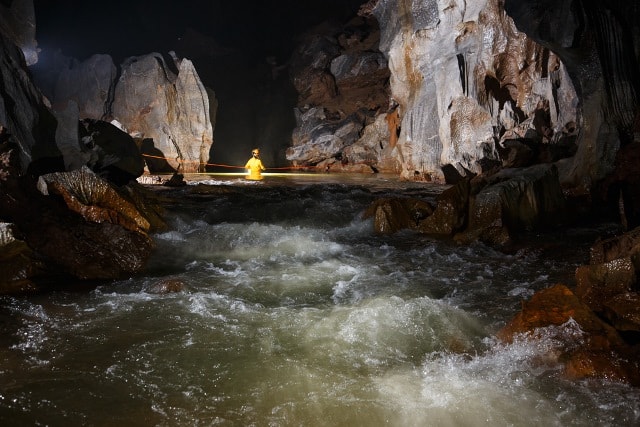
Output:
[[295, 313]]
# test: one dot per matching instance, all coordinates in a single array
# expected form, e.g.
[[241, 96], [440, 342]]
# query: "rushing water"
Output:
[[295, 313]]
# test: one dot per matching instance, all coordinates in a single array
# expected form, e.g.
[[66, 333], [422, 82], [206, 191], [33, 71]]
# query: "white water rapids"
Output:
[[295, 313]]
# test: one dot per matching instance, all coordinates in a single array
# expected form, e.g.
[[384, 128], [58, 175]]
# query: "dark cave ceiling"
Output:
[[80, 28]]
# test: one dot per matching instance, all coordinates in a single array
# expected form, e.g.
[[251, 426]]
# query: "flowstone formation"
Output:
[[467, 81], [467, 91]]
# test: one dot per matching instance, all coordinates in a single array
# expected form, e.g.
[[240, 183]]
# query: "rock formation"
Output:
[[494, 209], [463, 84], [597, 43], [603, 306], [161, 103], [80, 226], [173, 110], [342, 82], [24, 112], [18, 24]]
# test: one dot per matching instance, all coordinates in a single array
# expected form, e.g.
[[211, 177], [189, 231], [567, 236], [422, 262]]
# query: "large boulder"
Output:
[[161, 103], [394, 214], [151, 101], [609, 283], [82, 228], [518, 200], [597, 284], [451, 212], [592, 350], [113, 154], [94, 199], [605, 307], [493, 209]]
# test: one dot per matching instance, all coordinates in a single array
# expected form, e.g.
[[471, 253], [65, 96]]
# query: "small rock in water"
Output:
[[166, 286]]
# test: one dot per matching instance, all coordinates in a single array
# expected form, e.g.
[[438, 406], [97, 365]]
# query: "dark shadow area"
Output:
[[154, 158]]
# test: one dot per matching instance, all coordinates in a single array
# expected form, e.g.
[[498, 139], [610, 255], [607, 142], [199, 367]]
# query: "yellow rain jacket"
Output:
[[255, 167]]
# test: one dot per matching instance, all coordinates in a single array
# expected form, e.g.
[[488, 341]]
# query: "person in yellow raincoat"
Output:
[[254, 165]]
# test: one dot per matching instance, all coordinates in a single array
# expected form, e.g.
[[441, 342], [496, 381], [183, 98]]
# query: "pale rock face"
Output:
[[148, 99], [318, 140], [465, 79], [374, 149], [152, 102]]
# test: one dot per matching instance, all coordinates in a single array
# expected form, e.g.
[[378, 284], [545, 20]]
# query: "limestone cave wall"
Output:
[[469, 81]]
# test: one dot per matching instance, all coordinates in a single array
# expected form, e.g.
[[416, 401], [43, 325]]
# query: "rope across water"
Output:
[[222, 165]]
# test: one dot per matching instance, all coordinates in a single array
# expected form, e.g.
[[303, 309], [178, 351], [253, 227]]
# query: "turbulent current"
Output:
[[294, 313]]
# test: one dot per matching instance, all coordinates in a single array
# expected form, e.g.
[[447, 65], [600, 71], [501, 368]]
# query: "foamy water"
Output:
[[295, 313]]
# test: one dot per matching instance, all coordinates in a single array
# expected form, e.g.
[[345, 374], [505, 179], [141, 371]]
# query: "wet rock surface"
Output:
[[494, 208], [82, 229], [605, 307]]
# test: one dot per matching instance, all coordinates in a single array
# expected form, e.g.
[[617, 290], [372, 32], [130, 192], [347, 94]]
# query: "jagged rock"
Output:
[[113, 153], [587, 37], [605, 290], [318, 139], [173, 110], [311, 70], [597, 351], [492, 209], [451, 211], [394, 214], [515, 200]]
